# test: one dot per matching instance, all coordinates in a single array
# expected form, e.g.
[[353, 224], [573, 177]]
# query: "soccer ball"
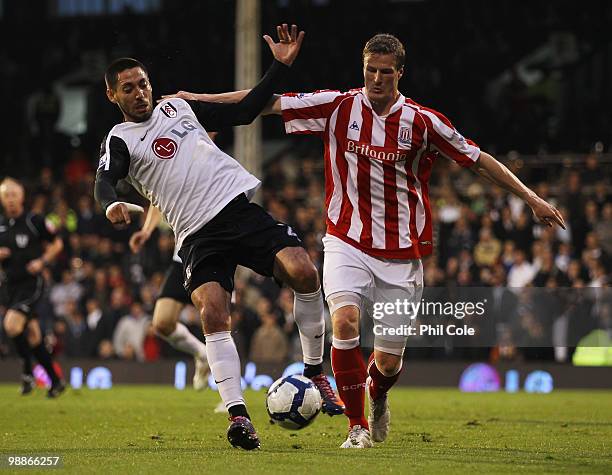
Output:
[[293, 402]]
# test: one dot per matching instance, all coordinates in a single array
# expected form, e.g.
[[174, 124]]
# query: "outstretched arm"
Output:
[[272, 107], [241, 107], [138, 239], [497, 173], [215, 116], [223, 97]]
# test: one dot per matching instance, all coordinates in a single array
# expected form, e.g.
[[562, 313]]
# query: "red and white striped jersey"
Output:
[[377, 168]]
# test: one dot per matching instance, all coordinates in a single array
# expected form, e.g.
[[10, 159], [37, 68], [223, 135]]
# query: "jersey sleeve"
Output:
[[445, 139], [114, 165], [215, 115], [45, 228], [308, 113]]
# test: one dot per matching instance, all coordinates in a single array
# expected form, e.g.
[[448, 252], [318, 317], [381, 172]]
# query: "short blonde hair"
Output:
[[384, 43]]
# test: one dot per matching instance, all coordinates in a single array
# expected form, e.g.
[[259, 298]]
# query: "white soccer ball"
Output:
[[293, 402]]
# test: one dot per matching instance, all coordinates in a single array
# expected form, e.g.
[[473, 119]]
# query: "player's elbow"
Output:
[[273, 107], [482, 166], [245, 117], [104, 191]]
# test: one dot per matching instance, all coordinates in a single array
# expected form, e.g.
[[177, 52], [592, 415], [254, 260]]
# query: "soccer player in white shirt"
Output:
[[379, 151], [203, 193], [171, 300]]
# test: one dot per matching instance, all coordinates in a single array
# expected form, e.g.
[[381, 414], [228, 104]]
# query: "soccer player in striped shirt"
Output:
[[380, 148]]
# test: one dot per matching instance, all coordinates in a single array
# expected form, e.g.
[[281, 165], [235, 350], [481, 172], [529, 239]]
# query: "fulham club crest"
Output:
[[164, 148], [169, 110]]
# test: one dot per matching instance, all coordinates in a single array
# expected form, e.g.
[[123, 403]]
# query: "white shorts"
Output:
[[378, 281]]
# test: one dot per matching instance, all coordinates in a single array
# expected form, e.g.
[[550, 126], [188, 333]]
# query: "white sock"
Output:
[[225, 367], [308, 311], [345, 344], [183, 340]]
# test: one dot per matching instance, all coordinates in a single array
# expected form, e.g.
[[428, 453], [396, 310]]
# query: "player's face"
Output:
[[133, 95], [381, 78], [11, 198]]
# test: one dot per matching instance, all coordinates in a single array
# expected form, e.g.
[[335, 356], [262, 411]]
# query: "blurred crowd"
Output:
[[100, 297]]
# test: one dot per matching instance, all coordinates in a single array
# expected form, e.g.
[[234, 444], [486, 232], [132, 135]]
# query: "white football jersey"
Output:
[[176, 166]]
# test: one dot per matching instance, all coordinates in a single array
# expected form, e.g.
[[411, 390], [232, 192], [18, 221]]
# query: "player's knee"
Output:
[[295, 268], [166, 315], [387, 363], [12, 330], [214, 321], [215, 316], [346, 322], [163, 326], [212, 302], [14, 324], [306, 278]]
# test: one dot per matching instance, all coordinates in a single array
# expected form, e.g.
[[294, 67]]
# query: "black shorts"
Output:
[[23, 296], [173, 284], [243, 233]]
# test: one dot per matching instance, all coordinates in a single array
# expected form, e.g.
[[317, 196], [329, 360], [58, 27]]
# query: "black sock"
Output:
[[311, 370], [23, 350], [44, 358], [239, 410]]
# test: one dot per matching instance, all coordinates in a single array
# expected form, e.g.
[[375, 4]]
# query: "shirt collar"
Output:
[[396, 105]]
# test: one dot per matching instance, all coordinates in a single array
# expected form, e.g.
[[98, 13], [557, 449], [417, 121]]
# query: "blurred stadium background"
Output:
[[528, 81]]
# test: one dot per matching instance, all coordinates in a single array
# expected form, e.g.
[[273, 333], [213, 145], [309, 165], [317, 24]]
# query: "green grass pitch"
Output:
[[157, 429]]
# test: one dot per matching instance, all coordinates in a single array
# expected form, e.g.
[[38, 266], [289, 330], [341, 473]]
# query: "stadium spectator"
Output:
[[69, 290], [522, 271], [487, 250], [131, 332], [72, 334], [270, 344]]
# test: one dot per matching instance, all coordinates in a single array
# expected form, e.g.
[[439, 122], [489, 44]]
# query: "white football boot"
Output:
[[202, 370], [358, 438], [379, 417]]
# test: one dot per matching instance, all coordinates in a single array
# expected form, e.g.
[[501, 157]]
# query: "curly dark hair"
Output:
[[112, 72]]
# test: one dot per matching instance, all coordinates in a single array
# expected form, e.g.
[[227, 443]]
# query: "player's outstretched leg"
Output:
[[378, 385], [167, 326], [212, 301], [294, 267]]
